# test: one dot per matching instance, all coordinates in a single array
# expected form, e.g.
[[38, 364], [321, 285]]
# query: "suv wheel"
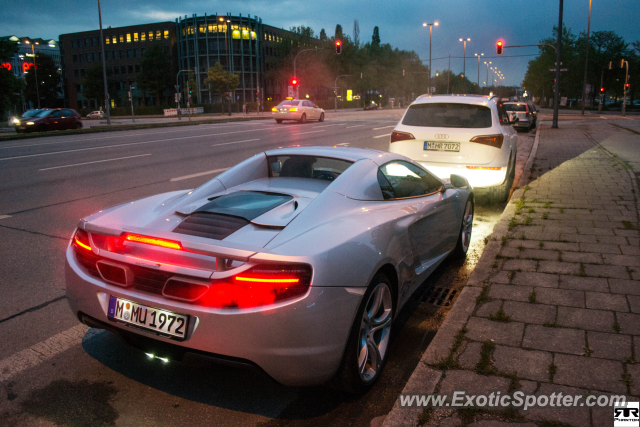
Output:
[[500, 193]]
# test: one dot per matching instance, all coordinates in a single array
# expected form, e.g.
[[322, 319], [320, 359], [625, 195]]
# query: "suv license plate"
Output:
[[156, 320], [442, 146]]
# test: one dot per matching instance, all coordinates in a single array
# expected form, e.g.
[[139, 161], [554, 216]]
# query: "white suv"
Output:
[[467, 135]]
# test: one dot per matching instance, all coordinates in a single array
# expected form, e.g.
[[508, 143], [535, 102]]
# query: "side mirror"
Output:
[[458, 181], [276, 166]]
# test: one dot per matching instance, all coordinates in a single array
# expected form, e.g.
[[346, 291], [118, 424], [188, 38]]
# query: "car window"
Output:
[[449, 115], [308, 104], [515, 107], [322, 168], [400, 179], [502, 113], [56, 114], [67, 113], [288, 103], [44, 113]]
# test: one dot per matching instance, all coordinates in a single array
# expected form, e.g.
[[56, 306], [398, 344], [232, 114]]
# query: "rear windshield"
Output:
[[448, 115], [31, 113], [245, 204], [288, 103], [515, 107], [322, 168]]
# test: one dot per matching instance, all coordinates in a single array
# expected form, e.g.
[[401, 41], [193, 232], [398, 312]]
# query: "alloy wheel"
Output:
[[375, 329]]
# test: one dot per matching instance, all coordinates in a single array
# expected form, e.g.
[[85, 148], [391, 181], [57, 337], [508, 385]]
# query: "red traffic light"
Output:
[[601, 90], [294, 81], [338, 47], [499, 46]]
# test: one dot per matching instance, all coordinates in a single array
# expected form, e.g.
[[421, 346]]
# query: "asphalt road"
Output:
[[48, 184]]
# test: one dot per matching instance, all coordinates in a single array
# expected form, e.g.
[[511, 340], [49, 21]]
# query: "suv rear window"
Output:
[[448, 115], [515, 107]]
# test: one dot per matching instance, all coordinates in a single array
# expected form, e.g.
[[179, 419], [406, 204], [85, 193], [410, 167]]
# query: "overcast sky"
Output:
[[484, 21]]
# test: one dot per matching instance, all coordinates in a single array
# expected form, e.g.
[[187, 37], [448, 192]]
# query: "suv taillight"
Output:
[[259, 286], [491, 140], [400, 136]]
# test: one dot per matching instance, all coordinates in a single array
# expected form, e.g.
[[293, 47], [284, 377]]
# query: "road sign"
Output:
[[291, 92], [561, 69], [349, 95], [433, 89]]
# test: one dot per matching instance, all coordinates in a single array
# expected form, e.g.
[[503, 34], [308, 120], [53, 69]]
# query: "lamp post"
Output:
[[226, 46], [35, 68], [335, 87], [430, 30], [556, 94], [586, 61], [104, 68], [464, 56], [626, 80], [478, 56], [294, 69], [487, 64]]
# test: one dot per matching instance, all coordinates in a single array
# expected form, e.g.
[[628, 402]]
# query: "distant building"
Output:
[[124, 49], [23, 60]]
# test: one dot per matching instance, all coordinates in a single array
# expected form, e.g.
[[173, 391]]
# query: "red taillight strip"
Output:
[[401, 136], [170, 244], [490, 140], [483, 168], [82, 245], [260, 280]]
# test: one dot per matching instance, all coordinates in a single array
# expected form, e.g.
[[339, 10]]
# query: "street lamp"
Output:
[[487, 64], [226, 46], [104, 68], [430, 30], [586, 61], [35, 67], [626, 81], [478, 56], [464, 55]]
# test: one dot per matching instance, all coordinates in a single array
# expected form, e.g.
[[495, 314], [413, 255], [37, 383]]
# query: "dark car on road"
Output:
[[371, 106], [46, 120]]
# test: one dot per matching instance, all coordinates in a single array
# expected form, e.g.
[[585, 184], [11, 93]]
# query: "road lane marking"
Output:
[[5, 216], [235, 142], [38, 353], [356, 126], [384, 127], [302, 133], [126, 145], [97, 161], [382, 136], [195, 175]]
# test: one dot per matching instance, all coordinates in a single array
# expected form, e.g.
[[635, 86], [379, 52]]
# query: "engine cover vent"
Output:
[[210, 225]]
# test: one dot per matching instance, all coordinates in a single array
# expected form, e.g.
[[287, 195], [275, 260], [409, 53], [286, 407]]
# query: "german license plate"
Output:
[[160, 321], [442, 146]]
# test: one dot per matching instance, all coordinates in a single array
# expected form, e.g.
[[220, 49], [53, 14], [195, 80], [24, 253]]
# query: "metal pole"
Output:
[[133, 119], [586, 62], [226, 45], [104, 68], [624, 98], [556, 94], [464, 60], [478, 71], [601, 94], [294, 70], [487, 81], [35, 65], [449, 74], [335, 87], [430, 28], [188, 100]]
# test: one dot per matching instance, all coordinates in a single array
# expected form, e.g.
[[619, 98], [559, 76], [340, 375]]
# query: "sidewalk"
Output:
[[554, 302]]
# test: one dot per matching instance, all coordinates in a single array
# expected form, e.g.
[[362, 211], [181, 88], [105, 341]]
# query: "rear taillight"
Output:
[[484, 168], [184, 289], [274, 109], [491, 140], [293, 109], [164, 243], [400, 136], [259, 286], [81, 240]]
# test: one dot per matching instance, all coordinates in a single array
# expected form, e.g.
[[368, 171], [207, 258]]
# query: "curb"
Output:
[[424, 379], [117, 128]]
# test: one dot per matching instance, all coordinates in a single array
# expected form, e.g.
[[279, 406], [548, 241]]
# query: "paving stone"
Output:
[[634, 372], [609, 346], [612, 240], [595, 231], [580, 283], [554, 339], [527, 364], [589, 372], [561, 246], [469, 358], [577, 238], [510, 292], [494, 423], [539, 254], [509, 252], [530, 313], [516, 243], [488, 308], [536, 279], [480, 329], [624, 286], [560, 297], [472, 383], [520, 264], [558, 267], [600, 248], [634, 303], [630, 250], [573, 415], [501, 277], [593, 320], [624, 260], [606, 301], [614, 271], [602, 415], [627, 233], [629, 323], [584, 257]]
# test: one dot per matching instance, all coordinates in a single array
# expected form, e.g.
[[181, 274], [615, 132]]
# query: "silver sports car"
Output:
[[295, 261]]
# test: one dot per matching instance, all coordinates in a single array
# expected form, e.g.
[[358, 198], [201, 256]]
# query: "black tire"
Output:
[[78, 125], [462, 248], [500, 193], [303, 119], [42, 128], [321, 119], [348, 378], [278, 121]]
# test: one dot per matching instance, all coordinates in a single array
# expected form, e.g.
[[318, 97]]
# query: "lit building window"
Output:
[[121, 37], [166, 34], [150, 35], [202, 28], [143, 37], [135, 37], [114, 40], [158, 35]]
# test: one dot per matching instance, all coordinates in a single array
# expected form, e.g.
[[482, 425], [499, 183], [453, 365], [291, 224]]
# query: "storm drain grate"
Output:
[[439, 296]]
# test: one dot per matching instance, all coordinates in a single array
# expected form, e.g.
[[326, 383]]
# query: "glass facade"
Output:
[[233, 41]]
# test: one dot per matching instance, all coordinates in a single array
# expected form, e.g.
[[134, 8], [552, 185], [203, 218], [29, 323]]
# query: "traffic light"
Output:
[[499, 46], [294, 81], [601, 90], [626, 87], [338, 47]]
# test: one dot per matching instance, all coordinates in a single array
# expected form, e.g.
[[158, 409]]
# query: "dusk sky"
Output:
[[484, 21]]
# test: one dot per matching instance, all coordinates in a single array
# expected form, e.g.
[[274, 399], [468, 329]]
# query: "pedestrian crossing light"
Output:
[[338, 47], [499, 46]]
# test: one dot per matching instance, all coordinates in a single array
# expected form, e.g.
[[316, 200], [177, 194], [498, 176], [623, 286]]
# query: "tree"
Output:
[[93, 84], [323, 35], [9, 84], [48, 80], [356, 32], [375, 39], [156, 73], [338, 34], [217, 78]]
